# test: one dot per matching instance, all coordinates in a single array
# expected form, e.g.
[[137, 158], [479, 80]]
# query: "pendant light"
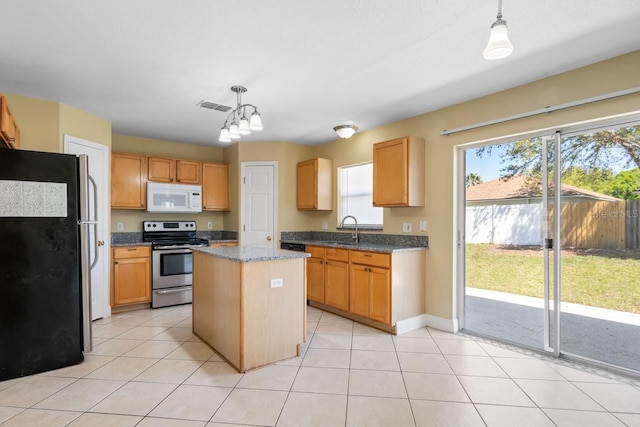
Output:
[[499, 45], [240, 124]]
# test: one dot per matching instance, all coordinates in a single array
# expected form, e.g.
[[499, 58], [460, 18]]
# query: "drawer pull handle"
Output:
[[368, 255]]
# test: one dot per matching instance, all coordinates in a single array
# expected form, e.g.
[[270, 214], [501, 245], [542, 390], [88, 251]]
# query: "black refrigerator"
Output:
[[45, 301]]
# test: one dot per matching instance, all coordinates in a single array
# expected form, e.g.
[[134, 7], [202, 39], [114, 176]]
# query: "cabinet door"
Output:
[[336, 284], [391, 172], [187, 172], [315, 280], [307, 184], [161, 169], [215, 186], [128, 181], [379, 295], [359, 290], [9, 130], [131, 281]]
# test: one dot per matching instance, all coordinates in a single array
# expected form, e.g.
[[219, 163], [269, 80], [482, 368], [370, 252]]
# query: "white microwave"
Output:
[[163, 197]]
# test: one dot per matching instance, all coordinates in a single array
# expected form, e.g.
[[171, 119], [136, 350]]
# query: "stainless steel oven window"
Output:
[[174, 264]]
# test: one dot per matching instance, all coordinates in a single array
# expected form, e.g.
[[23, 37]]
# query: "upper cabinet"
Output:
[[314, 185], [398, 172], [128, 181], [215, 187], [9, 130], [162, 169]]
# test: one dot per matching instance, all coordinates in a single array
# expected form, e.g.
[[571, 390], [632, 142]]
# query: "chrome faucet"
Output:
[[355, 236]]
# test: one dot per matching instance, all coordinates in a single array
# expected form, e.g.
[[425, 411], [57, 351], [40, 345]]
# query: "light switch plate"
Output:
[[276, 283], [120, 226], [209, 225], [423, 225], [324, 225], [406, 227]]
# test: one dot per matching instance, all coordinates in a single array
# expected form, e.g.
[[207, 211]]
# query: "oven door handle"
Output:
[[173, 248], [172, 291]]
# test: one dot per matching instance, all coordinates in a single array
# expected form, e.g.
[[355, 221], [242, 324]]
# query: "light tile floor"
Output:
[[148, 369]]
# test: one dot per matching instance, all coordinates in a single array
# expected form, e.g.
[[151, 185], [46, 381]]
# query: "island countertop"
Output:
[[250, 253]]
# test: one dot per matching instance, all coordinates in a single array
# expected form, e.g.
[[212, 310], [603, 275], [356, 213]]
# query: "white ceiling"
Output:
[[308, 65]]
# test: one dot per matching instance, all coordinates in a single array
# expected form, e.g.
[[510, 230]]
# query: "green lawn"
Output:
[[599, 278]]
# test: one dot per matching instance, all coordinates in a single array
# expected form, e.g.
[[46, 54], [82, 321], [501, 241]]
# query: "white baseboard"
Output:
[[417, 322]]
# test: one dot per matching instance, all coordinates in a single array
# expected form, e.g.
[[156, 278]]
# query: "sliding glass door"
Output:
[[552, 243], [509, 242]]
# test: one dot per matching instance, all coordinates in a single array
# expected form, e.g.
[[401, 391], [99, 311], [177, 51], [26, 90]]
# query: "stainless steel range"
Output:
[[171, 261]]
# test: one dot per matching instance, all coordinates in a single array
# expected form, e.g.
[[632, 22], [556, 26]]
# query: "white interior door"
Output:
[[98, 167], [259, 188]]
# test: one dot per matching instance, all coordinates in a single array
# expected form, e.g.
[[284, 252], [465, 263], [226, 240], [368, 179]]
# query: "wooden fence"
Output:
[[602, 225]]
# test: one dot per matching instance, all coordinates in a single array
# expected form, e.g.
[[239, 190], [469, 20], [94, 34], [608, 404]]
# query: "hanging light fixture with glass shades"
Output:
[[237, 123], [346, 130], [499, 45]]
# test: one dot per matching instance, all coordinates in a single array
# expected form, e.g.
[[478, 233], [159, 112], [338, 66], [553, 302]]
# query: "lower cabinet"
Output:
[[131, 275], [336, 288], [370, 287], [376, 288], [328, 276], [315, 277]]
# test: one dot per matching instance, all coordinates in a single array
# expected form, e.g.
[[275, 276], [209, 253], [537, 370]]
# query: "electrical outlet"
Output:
[[276, 283], [423, 225], [325, 225], [209, 225], [406, 227], [120, 226]]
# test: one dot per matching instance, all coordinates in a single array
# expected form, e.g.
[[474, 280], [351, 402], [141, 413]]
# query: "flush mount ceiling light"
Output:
[[499, 45], [346, 130], [237, 123]]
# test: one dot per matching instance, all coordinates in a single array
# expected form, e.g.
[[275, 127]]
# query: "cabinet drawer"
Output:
[[337, 254], [131, 252], [315, 251], [371, 258]]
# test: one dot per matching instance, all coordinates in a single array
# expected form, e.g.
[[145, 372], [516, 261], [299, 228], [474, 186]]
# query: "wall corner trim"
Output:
[[417, 322]]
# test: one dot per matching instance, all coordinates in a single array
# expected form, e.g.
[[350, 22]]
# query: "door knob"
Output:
[[100, 242], [269, 238]]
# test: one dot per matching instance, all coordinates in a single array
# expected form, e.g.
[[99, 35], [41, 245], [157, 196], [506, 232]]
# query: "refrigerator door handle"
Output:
[[85, 252], [94, 222]]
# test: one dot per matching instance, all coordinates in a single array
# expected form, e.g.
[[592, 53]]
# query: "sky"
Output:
[[487, 166]]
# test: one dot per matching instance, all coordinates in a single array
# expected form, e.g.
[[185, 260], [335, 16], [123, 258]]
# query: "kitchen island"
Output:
[[249, 303]]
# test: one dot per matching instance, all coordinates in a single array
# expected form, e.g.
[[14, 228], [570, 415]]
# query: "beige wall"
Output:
[[132, 219], [83, 125], [39, 123]]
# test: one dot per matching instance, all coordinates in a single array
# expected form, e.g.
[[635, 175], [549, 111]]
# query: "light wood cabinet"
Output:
[[328, 276], [128, 181], [314, 183], [370, 286], [315, 279], [9, 130], [398, 172], [215, 187], [131, 275], [379, 289], [162, 169]]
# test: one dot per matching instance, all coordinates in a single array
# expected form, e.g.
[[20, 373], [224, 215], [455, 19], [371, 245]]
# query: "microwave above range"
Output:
[[163, 197]]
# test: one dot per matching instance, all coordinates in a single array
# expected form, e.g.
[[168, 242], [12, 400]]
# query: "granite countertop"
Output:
[[250, 253], [362, 246]]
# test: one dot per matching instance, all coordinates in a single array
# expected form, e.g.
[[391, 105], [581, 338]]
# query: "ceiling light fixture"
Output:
[[237, 123], [346, 130], [499, 45]]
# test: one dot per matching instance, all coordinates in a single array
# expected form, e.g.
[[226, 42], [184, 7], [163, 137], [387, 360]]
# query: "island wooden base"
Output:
[[239, 314]]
